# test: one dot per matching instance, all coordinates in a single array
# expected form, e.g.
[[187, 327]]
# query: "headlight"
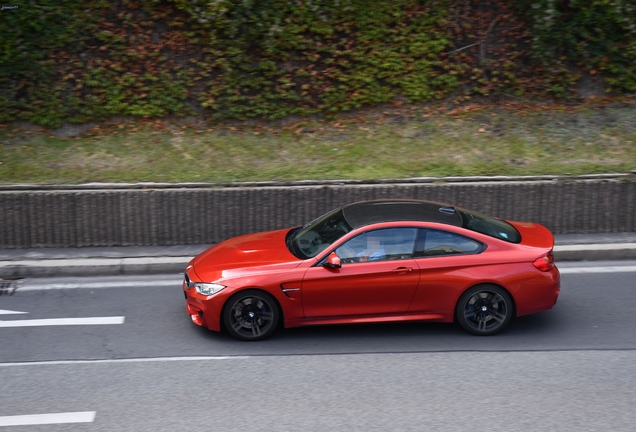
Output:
[[207, 288]]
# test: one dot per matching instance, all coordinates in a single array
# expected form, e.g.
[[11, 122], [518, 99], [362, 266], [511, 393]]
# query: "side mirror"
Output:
[[333, 261]]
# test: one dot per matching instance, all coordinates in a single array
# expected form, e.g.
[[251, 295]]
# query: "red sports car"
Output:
[[376, 261]]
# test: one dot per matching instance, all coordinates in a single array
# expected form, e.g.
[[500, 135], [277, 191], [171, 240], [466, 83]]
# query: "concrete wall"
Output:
[[67, 217]]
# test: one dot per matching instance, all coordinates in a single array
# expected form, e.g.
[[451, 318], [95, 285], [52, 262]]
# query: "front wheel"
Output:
[[251, 315], [484, 310]]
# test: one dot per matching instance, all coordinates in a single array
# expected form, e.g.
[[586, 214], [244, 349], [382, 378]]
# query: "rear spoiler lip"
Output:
[[534, 235]]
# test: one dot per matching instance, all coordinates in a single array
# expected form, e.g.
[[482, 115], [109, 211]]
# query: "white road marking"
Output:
[[592, 247], [43, 419], [10, 312], [63, 322], [96, 262], [96, 285], [128, 360], [608, 269], [176, 281]]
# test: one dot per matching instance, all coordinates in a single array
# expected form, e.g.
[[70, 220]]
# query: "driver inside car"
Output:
[[374, 250]]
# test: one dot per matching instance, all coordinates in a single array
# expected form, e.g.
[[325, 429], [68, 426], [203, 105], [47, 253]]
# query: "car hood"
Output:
[[247, 254]]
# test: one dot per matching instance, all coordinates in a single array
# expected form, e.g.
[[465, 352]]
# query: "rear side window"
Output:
[[492, 227], [436, 243]]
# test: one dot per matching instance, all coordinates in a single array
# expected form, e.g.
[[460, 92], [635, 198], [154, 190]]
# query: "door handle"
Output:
[[402, 270]]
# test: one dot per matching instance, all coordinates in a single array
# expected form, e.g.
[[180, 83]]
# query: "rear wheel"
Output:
[[484, 310], [251, 315]]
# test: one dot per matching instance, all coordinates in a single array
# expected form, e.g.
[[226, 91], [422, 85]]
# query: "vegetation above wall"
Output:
[[78, 61]]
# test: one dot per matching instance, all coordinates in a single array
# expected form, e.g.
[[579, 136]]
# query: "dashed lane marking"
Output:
[[10, 312], [44, 419], [63, 322]]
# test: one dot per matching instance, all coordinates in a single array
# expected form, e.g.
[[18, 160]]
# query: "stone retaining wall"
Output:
[[66, 217]]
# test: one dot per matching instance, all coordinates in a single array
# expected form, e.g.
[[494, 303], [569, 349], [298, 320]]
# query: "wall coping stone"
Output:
[[304, 183]]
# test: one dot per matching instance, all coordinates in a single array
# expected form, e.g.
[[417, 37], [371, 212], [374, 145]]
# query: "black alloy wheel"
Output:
[[251, 315], [484, 310]]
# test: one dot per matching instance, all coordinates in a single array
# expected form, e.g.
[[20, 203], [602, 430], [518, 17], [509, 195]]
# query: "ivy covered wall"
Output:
[[79, 61]]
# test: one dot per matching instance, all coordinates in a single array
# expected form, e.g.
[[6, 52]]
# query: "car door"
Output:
[[378, 276], [448, 263]]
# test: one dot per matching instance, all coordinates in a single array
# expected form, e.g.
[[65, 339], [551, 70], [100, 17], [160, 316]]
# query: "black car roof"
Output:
[[371, 212]]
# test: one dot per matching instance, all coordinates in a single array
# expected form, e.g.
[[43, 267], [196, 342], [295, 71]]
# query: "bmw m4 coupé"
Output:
[[376, 261]]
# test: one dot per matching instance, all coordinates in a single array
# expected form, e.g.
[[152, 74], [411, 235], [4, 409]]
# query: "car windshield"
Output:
[[316, 236], [496, 228]]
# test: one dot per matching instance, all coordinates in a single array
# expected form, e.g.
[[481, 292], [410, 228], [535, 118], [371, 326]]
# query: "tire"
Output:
[[484, 310], [251, 315]]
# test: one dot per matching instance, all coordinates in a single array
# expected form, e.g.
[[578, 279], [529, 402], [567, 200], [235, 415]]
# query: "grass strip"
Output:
[[386, 144]]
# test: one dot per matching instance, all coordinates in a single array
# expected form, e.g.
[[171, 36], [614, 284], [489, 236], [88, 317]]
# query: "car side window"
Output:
[[379, 245], [435, 243]]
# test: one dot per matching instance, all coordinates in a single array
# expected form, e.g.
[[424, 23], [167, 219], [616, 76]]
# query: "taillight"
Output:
[[544, 263]]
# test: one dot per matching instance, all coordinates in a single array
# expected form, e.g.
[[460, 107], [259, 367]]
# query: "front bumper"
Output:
[[205, 311]]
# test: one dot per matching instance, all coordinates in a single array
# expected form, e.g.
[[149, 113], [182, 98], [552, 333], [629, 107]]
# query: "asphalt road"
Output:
[[571, 368]]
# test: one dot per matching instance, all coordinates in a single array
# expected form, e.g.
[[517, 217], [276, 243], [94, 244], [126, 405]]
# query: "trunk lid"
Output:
[[534, 235]]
